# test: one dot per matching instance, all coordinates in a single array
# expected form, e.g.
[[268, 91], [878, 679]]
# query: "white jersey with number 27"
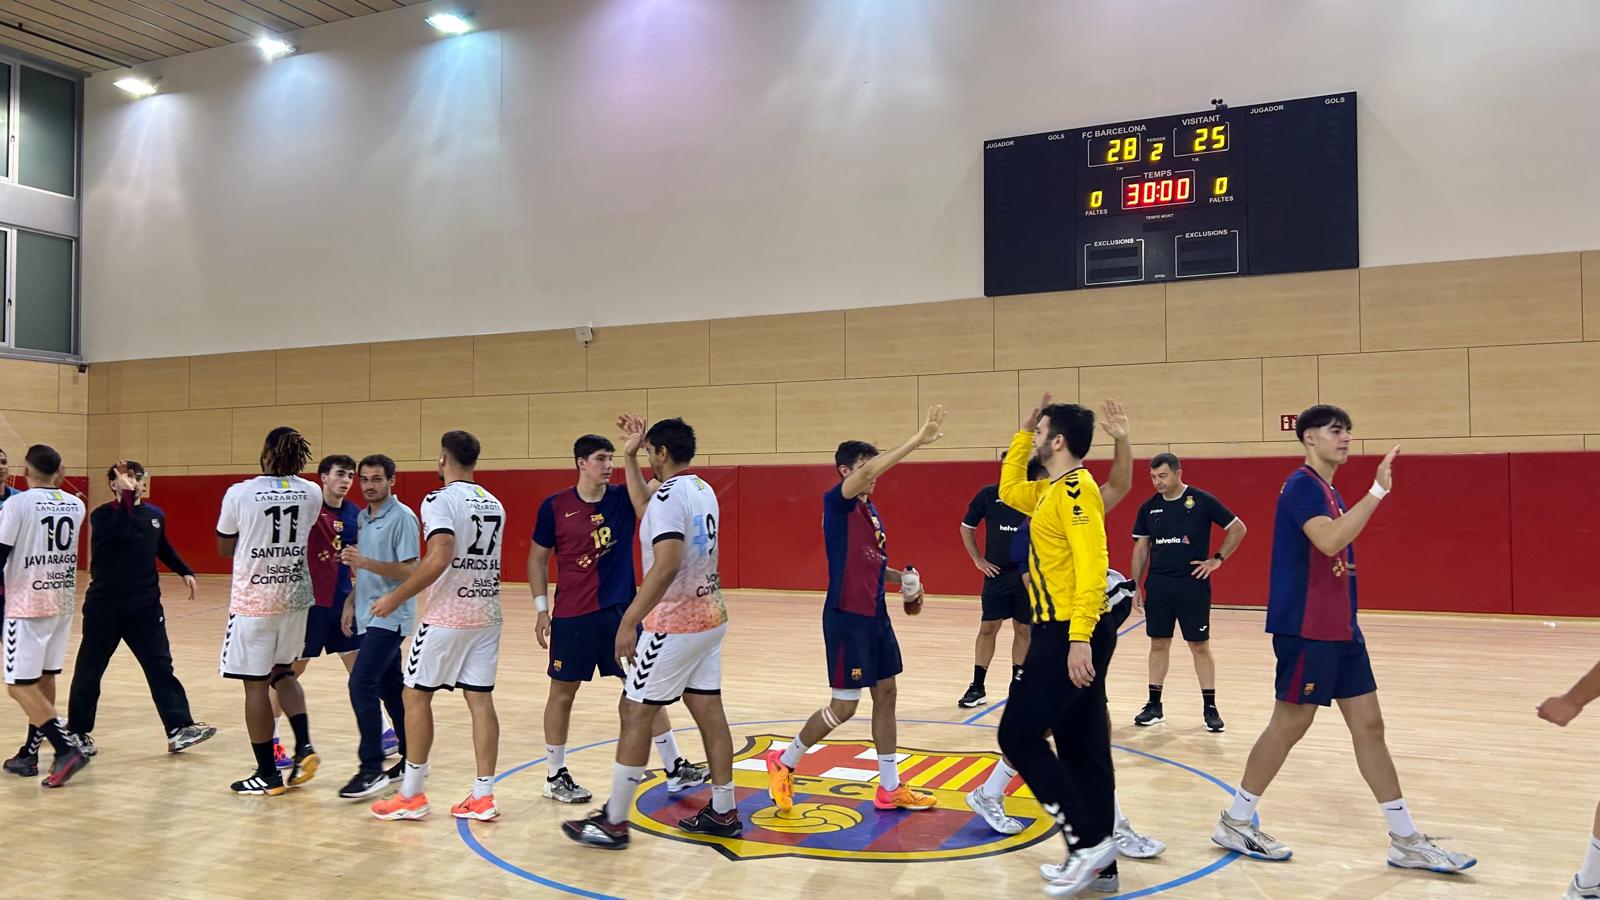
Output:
[[467, 595]]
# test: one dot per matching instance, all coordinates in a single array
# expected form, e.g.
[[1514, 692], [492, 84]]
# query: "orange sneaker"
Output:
[[480, 808], [780, 781], [397, 806], [903, 797]]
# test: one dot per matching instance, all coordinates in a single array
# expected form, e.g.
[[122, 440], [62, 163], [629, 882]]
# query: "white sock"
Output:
[[1001, 776], [1399, 816], [1121, 820], [411, 781], [888, 772], [793, 752], [1244, 805], [1589, 875], [722, 798], [482, 786], [275, 731], [555, 757], [667, 746], [624, 782]]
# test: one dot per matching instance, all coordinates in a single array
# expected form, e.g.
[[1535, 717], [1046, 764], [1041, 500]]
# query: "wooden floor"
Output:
[[1459, 695]]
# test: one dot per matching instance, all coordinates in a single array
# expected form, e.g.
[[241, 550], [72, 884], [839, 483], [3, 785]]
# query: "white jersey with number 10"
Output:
[[41, 526], [467, 595], [272, 519]]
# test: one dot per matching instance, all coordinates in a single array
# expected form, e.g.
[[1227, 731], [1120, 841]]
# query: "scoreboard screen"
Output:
[[1248, 190]]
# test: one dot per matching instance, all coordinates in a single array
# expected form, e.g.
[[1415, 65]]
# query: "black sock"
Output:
[[977, 674], [1210, 698], [302, 734], [1155, 694], [265, 765], [1016, 671], [30, 747], [52, 733], [1110, 870]]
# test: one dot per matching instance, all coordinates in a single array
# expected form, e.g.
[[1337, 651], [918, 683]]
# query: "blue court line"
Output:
[[473, 844], [974, 718]]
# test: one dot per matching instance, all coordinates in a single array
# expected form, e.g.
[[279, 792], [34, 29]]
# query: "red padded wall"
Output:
[[1550, 536]]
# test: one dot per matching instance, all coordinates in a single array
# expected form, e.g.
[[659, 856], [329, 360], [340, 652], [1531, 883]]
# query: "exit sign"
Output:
[[1286, 422]]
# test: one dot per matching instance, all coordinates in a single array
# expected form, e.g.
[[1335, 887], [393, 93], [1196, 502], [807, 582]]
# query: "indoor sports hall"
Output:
[[454, 266]]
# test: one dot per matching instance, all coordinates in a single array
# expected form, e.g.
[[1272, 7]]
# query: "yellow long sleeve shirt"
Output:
[[1067, 556]]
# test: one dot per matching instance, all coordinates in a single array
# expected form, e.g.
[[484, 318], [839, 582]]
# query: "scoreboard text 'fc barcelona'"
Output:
[[1247, 190]]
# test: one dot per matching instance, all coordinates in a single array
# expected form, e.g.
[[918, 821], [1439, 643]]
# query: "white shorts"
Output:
[[451, 658], [667, 666], [36, 647], [256, 644]]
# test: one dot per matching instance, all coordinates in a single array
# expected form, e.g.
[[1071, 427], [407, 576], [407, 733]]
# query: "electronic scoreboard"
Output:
[[1245, 190]]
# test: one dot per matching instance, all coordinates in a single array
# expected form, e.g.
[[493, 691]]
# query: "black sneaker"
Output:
[[1213, 720], [305, 768], [1150, 715], [973, 697], [24, 764], [597, 832], [265, 785], [364, 785], [397, 771], [65, 766], [708, 821]]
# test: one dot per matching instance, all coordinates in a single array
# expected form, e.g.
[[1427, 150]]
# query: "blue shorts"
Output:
[[323, 633], [862, 651], [1321, 672], [581, 644]]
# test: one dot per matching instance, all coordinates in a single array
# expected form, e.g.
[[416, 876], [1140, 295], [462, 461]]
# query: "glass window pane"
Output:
[[46, 141], [44, 292], [5, 118]]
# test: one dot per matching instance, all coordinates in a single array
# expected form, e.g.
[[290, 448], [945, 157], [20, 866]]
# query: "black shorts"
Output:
[[323, 632], [1184, 601], [581, 644], [1004, 597], [862, 650]]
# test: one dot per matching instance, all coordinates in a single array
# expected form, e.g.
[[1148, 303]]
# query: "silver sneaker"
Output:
[[993, 811], [189, 735], [561, 787], [685, 775], [1242, 836], [1081, 869], [1576, 891], [1134, 845], [1420, 851], [84, 743]]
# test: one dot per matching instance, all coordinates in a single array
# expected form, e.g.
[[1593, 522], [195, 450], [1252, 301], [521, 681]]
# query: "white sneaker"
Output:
[[1081, 869], [993, 811], [1134, 845], [1420, 851], [1241, 836], [1576, 891]]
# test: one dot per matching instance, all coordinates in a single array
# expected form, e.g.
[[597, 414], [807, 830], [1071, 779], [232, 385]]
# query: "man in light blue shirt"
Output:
[[388, 545]]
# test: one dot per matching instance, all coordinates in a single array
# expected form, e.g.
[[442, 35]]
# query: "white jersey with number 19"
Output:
[[41, 527], [467, 595], [272, 519]]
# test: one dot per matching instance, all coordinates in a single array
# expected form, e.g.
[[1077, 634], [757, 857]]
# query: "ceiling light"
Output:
[[272, 47], [449, 23], [138, 87]]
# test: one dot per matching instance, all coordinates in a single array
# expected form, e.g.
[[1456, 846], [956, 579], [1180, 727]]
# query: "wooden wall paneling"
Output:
[[324, 374], [1536, 390], [1033, 383], [150, 385], [66, 432], [980, 407], [436, 367], [920, 339], [1524, 443], [1409, 393], [251, 425], [117, 436], [1191, 401], [1288, 386], [194, 437], [556, 420], [1185, 450], [500, 423], [799, 347], [1591, 295], [233, 379], [818, 415], [675, 354], [1472, 303], [1236, 318], [1100, 327], [72, 390], [100, 388], [391, 427], [735, 418], [30, 385], [559, 462], [527, 362]]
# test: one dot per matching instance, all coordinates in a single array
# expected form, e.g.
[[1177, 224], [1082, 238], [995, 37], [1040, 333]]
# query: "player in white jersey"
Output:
[[679, 653], [264, 527], [39, 553], [457, 644]]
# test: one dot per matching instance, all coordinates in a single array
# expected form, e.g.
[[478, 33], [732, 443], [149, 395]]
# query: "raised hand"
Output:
[[126, 480], [1385, 476], [933, 429], [1032, 421], [632, 428], [1113, 420]]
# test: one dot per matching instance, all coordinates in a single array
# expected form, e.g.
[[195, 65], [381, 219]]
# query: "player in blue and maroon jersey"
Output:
[[590, 529], [1322, 656]]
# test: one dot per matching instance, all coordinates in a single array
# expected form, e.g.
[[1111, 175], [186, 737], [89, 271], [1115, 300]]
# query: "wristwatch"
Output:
[[1218, 557]]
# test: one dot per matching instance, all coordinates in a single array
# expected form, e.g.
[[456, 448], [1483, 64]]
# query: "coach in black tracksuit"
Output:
[[123, 603]]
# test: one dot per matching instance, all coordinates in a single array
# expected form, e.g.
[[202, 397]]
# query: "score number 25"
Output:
[[1209, 139]]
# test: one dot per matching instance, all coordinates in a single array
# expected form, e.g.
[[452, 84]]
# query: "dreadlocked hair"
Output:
[[285, 453]]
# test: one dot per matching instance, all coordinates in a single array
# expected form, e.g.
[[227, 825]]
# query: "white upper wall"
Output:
[[629, 161]]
